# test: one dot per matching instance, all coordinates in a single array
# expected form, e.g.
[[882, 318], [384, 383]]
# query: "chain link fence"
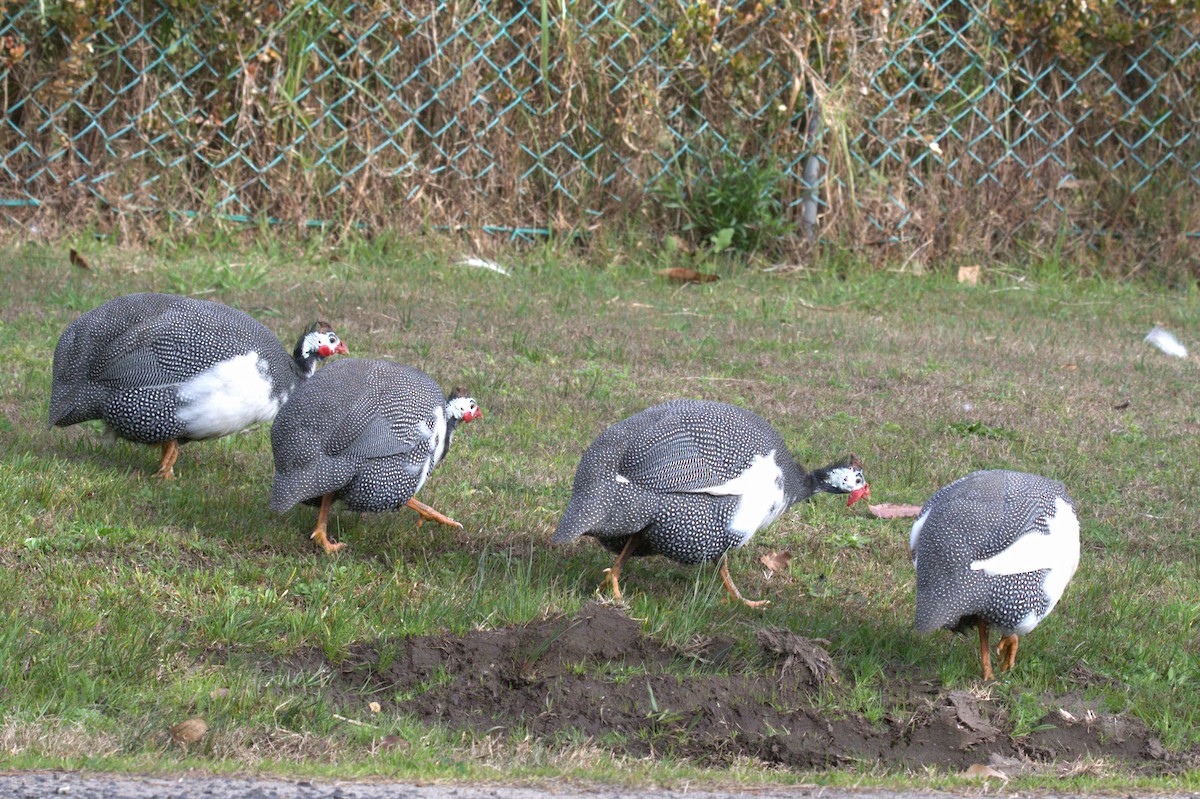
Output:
[[920, 128]]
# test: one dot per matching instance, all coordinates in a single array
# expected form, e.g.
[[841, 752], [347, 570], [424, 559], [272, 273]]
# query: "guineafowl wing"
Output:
[[695, 447], [186, 338], [349, 425], [139, 368], [987, 511], [666, 458], [1022, 539], [378, 440]]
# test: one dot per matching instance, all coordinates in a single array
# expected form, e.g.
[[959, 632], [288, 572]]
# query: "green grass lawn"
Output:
[[128, 604]]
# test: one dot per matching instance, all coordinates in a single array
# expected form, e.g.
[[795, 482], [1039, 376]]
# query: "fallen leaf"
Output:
[[984, 772], [189, 731], [79, 260], [684, 274], [776, 561], [375, 707], [390, 742], [1122, 405], [969, 275], [218, 693], [890, 510]]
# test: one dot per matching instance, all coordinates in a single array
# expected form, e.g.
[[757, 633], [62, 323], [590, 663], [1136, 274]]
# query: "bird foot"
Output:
[[610, 580], [427, 513], [1008, 652], [733, 591], [170, 454], [323, 541]]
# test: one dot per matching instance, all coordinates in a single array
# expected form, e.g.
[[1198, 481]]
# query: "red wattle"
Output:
[[858, 494]]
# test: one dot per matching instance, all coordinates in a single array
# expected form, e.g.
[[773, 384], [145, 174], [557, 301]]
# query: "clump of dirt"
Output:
[[598, 674], [799, 652]]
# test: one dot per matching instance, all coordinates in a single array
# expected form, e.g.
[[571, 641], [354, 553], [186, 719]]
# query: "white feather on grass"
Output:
[[483, 263], [1166, 341]]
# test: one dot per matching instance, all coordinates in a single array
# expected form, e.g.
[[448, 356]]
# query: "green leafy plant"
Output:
[[730, 203], [980, 429]]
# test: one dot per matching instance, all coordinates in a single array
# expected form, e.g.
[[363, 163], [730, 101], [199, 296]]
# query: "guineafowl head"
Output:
[[463, 408], [843, 478], [316, 345]]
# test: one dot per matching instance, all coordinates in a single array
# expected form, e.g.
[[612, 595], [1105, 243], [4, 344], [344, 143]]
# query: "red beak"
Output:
[[470, 417], [858, 494], [340, 349]]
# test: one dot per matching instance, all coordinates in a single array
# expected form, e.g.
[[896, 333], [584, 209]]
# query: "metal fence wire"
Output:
[[938, 125]]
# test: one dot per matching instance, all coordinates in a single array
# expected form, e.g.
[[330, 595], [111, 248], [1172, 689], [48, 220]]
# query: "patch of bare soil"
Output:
[[597, 674]]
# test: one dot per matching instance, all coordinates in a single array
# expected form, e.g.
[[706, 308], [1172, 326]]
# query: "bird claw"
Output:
[[321, 539]]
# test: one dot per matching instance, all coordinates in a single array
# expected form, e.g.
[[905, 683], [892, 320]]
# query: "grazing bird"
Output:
[[690, 480], [994, 549], [164, 369], [368, 433]]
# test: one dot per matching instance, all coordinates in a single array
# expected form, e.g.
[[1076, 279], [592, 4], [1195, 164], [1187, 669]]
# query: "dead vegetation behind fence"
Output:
[[919, 129]]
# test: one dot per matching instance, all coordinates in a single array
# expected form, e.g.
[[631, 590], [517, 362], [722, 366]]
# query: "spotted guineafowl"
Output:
[[690, 480], [163, 369], [995, 548], [368, 433]]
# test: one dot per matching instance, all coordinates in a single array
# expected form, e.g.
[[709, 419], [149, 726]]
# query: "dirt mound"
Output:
[[598, 675]]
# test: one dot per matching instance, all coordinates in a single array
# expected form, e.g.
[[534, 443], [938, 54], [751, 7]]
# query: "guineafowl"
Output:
[[368, 433], [994, 549], [690, 480], [164, 369]]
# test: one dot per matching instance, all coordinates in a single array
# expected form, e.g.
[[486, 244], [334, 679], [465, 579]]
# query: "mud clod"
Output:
[[804, 656], [599, 675]]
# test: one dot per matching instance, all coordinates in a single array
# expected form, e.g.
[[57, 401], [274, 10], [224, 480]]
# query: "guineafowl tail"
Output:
[[74, 403], [308, 482], [946, 603], [930, 619], [285, 495], [575, 522], [612, 512]]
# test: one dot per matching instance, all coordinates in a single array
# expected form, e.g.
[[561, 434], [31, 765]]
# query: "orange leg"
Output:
[[1008, 652], [170, 454], [319, 534], [732, 589], [984, 651], [430, 514], [614, 574]]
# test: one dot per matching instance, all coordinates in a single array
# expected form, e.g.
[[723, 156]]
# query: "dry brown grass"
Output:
[[453, 116], [64, 740]]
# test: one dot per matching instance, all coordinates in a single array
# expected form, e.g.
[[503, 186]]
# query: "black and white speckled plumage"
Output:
[[160, 367], [369, 432], [997, 546], [695, 478]]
